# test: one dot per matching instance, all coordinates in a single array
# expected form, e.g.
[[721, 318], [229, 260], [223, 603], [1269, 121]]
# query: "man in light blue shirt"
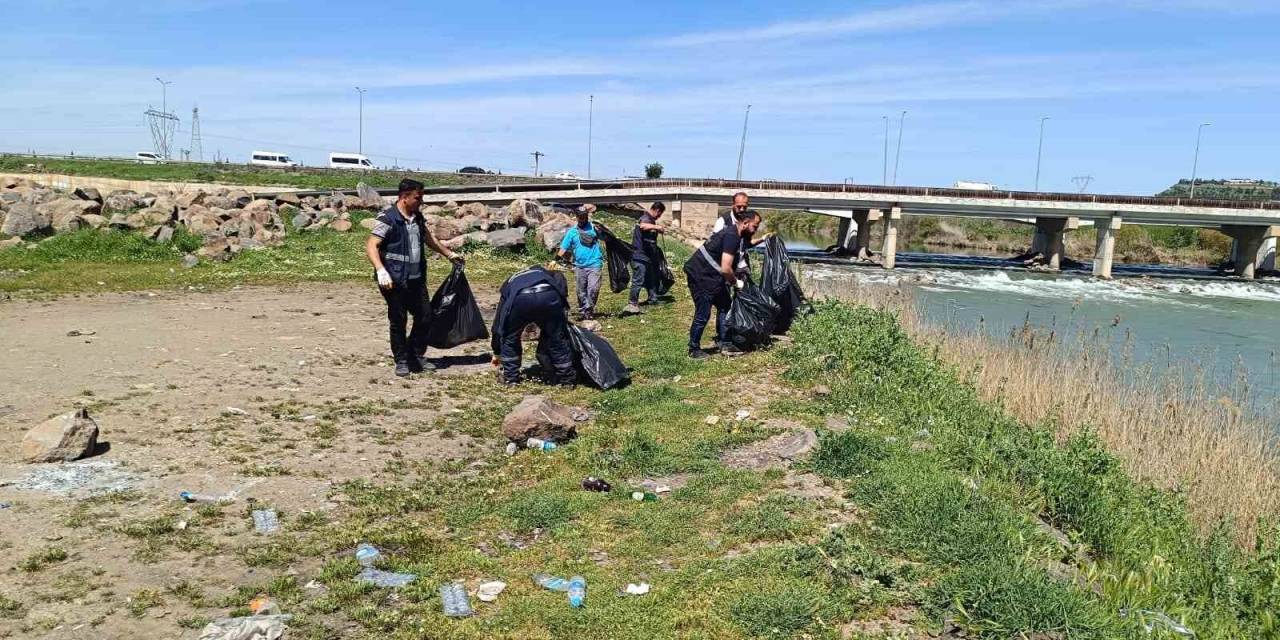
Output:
[[584, 244]]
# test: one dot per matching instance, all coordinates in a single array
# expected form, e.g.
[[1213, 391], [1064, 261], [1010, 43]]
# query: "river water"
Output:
[[1162, 317]]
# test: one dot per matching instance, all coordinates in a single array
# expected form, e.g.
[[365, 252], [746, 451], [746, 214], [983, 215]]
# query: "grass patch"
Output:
[[10, 608], [43, 558]]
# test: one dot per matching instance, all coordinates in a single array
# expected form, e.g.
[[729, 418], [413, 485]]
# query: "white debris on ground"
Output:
[[76, 478]]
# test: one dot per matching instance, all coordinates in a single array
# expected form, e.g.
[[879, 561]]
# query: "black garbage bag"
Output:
[[662, 272], [752, 317], [593, 358], [455, 316], [618, 255], [780, 284]]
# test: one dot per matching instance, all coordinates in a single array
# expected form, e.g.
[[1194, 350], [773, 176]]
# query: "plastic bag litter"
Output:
[[752, 317], [595, 358], [618, 254], [1151, 620], [780, 284], [662, 272], [246, 628], [455, 316]]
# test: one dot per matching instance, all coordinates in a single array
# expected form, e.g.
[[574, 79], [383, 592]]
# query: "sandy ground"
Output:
[[203, 392]]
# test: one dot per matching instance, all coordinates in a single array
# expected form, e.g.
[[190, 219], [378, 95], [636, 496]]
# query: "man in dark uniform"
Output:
[[540, 297], [740, 206], [395, 247], [710, 272], [644, 274]]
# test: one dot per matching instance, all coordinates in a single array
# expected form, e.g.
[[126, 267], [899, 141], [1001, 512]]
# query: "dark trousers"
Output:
[[409, 299], [643, 276], [545, 309], [704, 297]]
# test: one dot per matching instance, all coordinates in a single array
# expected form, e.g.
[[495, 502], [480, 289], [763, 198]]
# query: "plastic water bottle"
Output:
[[539, 443], [367, 554], [453, 598], [577, 591], [548, 581], [266, 521]]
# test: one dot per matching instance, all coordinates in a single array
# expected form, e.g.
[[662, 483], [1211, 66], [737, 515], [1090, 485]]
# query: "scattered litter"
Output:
[[247, 628], [230, 496], [264, 606], [69, 478], [742, 414], [592, 483], [309, 418], [488, 592], [636, 589], [235, 411], [1152, 619], [512, 448], [550, 582], [313, 585], [385, 578], [81, 332], [577, 591], [676, 379], [540, 444], [453, 599], [182, 525], [662, 488], [367, 555], [644, 496], [266, 521], [712, 419], [5, 505]]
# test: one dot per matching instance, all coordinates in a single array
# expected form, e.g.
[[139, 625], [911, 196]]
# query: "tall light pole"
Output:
[[1195, 164], [742, 146], [897, 155], [591, 112], [884, 170], [537, 155], [1039, 151], [360, 148], [164, 94]]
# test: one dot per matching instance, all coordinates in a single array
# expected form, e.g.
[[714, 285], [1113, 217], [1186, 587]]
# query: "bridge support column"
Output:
[[1049, 239], [1267, 255], [890, 250], [1105, 249], [855, 234], [1247, 249]]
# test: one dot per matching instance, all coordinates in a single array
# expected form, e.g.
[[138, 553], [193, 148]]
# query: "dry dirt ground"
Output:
[[276, 394]]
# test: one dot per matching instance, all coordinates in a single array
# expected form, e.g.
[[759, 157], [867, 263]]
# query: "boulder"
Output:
[[524, 213], [166, 205], [221, 202], [477, 237], [444, 228], [432, 210], [369, 223], [10, 182], [203, 225], [215, 248], [10, 243], [165, 234], [327, 215], [189, 261], [340, 225], [353, 202], [121, 201], [67, 437], [288, 197], [157, 215], [88, 193], [507, 239], [188, 198], [21, 219], [369, 196], [147, 199], [9, 197], [542, 417], [93, 221], [239, 199], [301, 220], [64, 215], [476, 209], [261, 205], [552, 232]]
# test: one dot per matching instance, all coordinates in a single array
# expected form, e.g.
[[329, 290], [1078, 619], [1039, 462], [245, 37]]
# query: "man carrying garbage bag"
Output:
[[533, 296], [711, 272], [644, 261], [584, 245]]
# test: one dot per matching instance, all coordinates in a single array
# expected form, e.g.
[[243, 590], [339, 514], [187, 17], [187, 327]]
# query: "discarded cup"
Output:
[[539, 443], [644, 496], [592, 483], [634, 589], [266, 521], [367, 554], [577, 591], [488, 592], [548, 581], [453, 599]]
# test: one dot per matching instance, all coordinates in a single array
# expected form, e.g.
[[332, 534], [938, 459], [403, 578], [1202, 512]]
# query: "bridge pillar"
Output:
[[1247, 250], [1267, 255], [855, 233], [890, 250], [1105, 249], [1049, 239]]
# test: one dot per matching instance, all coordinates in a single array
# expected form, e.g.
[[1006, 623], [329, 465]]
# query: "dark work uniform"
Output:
[[534, 296], [644, 273], [707, 285], [404, 256]]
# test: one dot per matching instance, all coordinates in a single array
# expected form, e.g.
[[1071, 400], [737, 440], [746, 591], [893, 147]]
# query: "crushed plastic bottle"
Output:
[[382, 578], [1151, 619], [453, 599], [548, 581], [187, 496], [577, 591], [367, 555], [539, 443], [266, 521], [592, 483]]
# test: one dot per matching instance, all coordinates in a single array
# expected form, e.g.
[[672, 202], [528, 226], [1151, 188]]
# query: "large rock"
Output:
[[65, 214], [524, 213], [369, 223], [261, 205], [21, 219], [478, 237], [10, 243], [239, 199], [369, 197], [301, 220], [222, 202], [188, 198], [340, 225], [444, 228], [215, 248], [157, 215], [10, 182], [88, 193], [121, 201], [552, 232], [507, 239], [93, 221], [288, 197], [62, 439], [194, 211], [476, 209], [541, 417]]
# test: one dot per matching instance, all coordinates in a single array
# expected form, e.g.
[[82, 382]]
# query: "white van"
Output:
[[271, 159], [147, 157], [349, 161]]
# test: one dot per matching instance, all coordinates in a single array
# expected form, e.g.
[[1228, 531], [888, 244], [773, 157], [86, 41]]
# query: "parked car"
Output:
[[349, 161], [565, 175], [472, 170], [271, 159], [148, 157]]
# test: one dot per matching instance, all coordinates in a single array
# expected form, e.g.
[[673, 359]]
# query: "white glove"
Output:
[[384, 278], [740, 284]]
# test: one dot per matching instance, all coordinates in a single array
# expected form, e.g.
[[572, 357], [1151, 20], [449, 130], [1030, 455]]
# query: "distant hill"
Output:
[[1258, 190]]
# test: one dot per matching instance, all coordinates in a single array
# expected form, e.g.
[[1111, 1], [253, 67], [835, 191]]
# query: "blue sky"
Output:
[[1124, 82]]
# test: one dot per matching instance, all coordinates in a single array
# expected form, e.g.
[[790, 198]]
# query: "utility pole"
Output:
[[742, 146], [164, 94], [884, 171], [537, 155], [898, 154], [591, 112], [360, 148], [1039, 151], [1195, 164], [1082, 183], [197, 147]]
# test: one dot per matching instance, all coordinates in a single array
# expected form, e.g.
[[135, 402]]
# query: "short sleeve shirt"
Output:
[[724, 241], [414, 256], [586, 247]]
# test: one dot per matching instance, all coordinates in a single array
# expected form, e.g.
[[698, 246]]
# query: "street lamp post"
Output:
[[897, 155], [742, 146], [360, 147], [591, 113], [164, 94], [1195, 164], [1039, 151], [884, 169]]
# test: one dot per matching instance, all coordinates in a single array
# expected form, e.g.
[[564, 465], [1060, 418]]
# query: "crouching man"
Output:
[[533, 296]]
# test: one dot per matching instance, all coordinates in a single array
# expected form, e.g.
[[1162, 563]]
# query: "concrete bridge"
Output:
[[1252, 225]]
